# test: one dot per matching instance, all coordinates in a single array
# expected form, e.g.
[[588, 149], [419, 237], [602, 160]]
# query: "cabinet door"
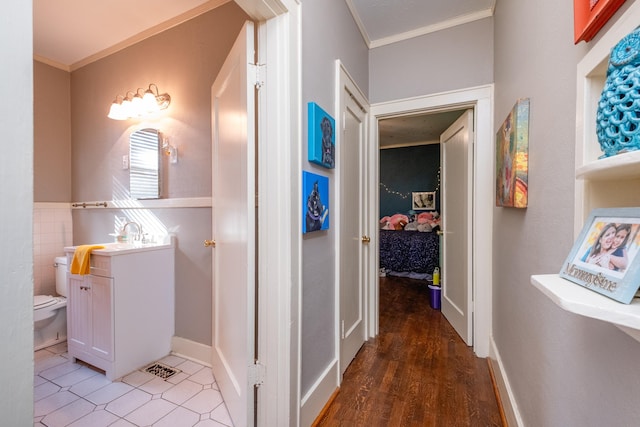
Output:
[[79, 313], [102, 316]]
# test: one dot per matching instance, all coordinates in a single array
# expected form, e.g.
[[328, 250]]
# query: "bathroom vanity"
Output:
[[120, 317]]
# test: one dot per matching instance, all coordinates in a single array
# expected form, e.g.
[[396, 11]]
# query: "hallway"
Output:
[[417, 372]]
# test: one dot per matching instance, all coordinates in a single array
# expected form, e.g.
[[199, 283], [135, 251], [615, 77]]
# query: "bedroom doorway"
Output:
[[480, 99], [419, 155]]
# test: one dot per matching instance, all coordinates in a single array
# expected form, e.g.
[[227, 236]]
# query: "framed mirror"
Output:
[[144, 164]]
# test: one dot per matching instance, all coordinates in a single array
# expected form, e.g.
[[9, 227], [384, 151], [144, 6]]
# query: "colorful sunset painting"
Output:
[[512, 158]]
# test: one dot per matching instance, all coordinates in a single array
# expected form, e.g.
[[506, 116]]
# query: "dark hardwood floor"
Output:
[[417, 372]]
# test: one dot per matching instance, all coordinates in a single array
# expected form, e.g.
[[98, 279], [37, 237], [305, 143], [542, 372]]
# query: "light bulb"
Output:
[[150, 104], [126, 108], [116, 112], [137, 106]]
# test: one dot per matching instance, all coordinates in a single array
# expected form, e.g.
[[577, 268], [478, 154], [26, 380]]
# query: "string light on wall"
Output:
[[135, 104], [407, 195], [395, 193]]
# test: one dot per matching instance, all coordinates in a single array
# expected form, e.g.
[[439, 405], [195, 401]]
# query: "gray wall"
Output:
[[322, 44], [565, 370], [16, 194], [458, 57], [182, 61], [52, 133]]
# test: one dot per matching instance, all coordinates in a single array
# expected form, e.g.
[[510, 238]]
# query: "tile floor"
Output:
[[70, 394]]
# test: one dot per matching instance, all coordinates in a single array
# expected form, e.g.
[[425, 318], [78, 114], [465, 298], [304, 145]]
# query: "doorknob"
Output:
[[440, 232], [210, 243], [366, 239]]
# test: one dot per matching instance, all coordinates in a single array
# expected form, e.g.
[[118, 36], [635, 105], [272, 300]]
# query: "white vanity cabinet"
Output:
[[90, 317], [121, 316]]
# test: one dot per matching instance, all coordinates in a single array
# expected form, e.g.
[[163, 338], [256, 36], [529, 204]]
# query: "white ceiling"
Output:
[[72, 33], [415, 130]]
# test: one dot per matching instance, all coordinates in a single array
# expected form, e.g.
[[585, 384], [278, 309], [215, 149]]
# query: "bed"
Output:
[[409, 253]]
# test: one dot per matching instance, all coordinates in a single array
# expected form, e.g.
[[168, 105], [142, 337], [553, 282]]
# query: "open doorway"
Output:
[[410, 192], [479, 99], [275, 25], [424, 227]]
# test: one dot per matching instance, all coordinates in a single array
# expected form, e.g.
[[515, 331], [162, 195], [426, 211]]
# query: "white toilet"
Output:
[[50, 313]]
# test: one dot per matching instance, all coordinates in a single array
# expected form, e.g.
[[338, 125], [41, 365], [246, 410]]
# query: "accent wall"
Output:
[[405, 170]]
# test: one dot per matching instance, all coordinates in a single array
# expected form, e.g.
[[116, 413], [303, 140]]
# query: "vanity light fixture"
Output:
[[133, 104]]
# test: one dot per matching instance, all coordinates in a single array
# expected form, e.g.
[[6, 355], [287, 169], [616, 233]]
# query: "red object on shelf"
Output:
[[590, 15]]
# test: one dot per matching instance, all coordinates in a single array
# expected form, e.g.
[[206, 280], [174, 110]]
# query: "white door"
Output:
[[353, 238], [234, 229], [457, 202]]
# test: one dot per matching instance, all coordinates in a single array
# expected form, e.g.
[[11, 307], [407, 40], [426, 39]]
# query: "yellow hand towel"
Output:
[[80, 263]]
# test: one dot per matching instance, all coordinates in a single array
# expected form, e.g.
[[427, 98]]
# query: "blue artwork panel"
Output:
[[321, 137], [315, 202]]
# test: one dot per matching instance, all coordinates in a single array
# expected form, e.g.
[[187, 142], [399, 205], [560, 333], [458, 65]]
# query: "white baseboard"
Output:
[[188, 349], [509, 404], [317, 397]]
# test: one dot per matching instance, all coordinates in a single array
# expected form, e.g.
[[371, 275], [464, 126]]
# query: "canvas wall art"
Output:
[[512, 158], [321, 137], [315, 202]]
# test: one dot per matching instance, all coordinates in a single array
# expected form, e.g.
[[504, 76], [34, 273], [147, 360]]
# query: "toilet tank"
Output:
[[61, 275]]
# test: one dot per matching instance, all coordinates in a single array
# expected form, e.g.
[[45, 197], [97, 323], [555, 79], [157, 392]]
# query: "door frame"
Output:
[[480, 98], [278, 319]]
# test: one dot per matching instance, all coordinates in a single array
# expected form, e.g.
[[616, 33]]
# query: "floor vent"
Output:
[[162, 371]]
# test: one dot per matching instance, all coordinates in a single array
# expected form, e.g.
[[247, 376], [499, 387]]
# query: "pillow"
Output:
[[425, 217], [412, 226], [424, 228], [398, 221]]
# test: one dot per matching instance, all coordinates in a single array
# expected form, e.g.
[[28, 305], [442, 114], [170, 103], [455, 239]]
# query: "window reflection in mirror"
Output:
[[144, 164]]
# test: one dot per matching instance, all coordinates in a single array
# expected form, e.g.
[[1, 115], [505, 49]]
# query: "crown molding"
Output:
[[361, 27], [52, 63], [450, 23]]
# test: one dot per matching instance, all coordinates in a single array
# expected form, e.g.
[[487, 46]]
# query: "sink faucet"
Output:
[[137, 235]]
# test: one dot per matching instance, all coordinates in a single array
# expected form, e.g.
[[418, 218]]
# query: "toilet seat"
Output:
[[42, 301]]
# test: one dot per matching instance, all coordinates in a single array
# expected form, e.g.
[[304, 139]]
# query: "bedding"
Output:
[[409, 253]]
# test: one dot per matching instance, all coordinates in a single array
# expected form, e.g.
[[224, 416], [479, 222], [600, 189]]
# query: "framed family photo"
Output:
[[605, 257], [423, 200]]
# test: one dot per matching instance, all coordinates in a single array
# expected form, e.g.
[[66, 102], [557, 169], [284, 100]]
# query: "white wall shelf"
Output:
[[579, 300], [610, 182], [626, 165]]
